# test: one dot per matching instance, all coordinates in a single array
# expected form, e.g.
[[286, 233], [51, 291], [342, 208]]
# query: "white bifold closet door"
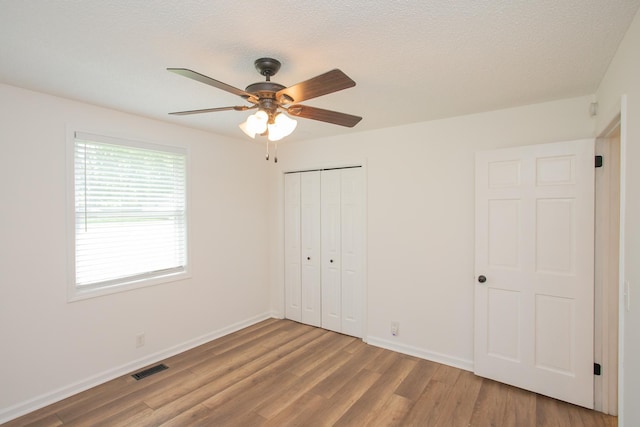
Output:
[[324, 235], [310, 244], [302, 248]]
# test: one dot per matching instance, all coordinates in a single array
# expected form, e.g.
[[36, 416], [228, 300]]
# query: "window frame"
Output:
[[75, 292]]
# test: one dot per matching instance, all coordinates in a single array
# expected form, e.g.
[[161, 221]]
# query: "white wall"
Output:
[[49, 347], [421, 216], [623, 77]]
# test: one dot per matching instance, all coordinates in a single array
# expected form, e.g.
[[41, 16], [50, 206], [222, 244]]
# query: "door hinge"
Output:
[[597, 369], [598, 161]]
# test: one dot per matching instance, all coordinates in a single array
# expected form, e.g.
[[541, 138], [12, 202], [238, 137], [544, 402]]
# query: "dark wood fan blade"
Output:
[[212, 82], [211, 110], [328, 116], [323, 84]]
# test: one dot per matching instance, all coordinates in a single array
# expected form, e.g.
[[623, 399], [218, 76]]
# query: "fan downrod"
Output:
[[267, 66]]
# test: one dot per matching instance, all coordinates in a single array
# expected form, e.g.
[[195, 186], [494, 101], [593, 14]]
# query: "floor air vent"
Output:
[[150, 371]]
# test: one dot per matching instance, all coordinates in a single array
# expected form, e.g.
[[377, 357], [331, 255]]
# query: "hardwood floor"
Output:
[[282, 373]]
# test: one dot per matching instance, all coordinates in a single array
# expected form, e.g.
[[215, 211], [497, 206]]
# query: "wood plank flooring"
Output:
[[282, 373]]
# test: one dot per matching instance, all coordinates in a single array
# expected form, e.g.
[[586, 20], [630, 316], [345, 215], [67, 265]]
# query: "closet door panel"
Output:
[[352, 242], [310, 242], [331, 251], [292, 242]]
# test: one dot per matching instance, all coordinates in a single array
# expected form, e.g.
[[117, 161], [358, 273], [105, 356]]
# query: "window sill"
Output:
[[78, 293]]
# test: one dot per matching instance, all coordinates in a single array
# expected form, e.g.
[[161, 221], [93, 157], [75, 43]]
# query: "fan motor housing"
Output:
[[264, 89], [267, 91]]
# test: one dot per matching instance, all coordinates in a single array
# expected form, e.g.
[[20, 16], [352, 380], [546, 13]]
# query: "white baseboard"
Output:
[[15, 411], [433, 356]]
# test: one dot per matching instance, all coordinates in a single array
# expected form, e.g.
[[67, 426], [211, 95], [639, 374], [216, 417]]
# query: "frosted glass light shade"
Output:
[[255, 124], [282, 126], [245, 128]]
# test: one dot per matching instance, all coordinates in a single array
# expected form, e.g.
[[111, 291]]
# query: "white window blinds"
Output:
[[130, 211]]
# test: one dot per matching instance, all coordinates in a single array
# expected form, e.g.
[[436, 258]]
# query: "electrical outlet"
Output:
[[395, 326], [140, 340]]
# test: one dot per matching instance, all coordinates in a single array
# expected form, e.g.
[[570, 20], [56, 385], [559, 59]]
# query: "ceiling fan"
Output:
[[272, 100]]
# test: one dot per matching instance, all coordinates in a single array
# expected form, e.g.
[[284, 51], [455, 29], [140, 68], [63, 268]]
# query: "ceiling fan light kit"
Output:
[[273, 100]]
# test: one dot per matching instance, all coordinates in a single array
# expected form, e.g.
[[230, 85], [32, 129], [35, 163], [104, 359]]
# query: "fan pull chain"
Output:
[[275, 156], [267, 150]]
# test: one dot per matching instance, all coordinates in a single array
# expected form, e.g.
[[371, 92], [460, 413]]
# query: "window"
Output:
[[129, 214]]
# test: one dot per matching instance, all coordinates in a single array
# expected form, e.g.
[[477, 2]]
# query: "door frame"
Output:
[[607, 268], [280, 313], [624, 284], [618, 116]]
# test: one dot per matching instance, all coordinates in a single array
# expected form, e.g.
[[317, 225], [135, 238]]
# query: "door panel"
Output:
[[534, 244], [352, 240], [555, 236], [310, 242], [504, 324], [504, 235], [554, 325], [331, 251]]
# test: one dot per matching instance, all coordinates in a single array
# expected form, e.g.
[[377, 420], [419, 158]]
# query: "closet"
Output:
[[324, 244]]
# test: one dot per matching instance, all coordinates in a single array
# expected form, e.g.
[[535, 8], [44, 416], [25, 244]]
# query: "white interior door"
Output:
[[292, 251], [310, 243], [534, 247], [331, 251]]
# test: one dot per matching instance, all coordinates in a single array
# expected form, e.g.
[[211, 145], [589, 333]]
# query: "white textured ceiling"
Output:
[[412, 60]]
